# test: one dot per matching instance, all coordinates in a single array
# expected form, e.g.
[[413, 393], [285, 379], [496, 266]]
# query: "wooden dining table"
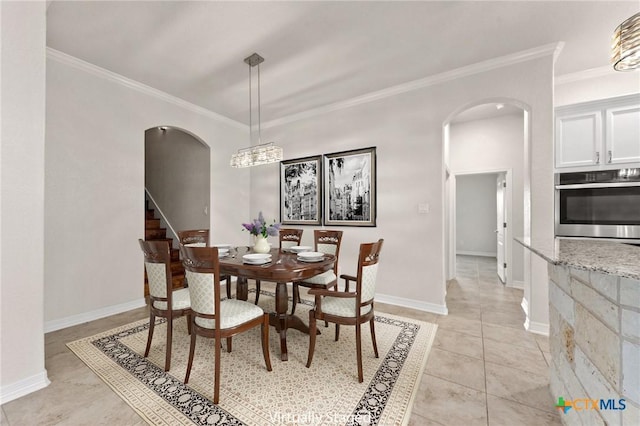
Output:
[[283, 268]]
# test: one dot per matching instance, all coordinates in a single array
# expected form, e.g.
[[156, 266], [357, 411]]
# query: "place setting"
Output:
[[224, 250], [310, 256], [298, 249], [257, 258]]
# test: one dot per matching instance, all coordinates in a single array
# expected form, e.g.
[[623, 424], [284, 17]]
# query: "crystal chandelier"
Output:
[[261, 153], [625, 46]]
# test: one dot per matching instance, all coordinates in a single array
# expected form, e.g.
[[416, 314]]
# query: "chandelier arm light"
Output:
[[625, 45], [259, 154]]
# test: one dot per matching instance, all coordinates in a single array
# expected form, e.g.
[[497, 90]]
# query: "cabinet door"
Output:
[[623, 135], [578, 139]]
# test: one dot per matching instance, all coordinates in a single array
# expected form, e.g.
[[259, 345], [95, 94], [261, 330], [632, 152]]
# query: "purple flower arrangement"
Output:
[[260, 227]]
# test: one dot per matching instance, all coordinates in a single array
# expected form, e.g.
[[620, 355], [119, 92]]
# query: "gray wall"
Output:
[[177, 176], [476, 214]]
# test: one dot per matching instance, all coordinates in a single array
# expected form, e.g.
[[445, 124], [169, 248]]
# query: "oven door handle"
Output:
[[599, 185]]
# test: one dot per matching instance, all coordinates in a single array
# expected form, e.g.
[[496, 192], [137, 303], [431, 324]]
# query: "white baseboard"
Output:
[[61, 323], [525, 307], [476, 253], [24, 387], [536, 327], [517, 284], [410, 303]]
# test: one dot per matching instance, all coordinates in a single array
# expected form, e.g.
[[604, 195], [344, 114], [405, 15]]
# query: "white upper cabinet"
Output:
[[603, 134], [580, 139], [623, 134]]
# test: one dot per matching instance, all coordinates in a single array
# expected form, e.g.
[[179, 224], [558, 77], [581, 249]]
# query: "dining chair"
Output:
[[288, 237], [165, 302], [200, 238], [325, 241], [349, 307], [215, 318]]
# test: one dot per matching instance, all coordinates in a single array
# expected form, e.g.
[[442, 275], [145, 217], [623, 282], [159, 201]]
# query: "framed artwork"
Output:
[[350, 188], [300, 191]]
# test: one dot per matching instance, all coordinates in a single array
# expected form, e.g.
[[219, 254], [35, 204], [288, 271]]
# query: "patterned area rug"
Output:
[[327, 393]]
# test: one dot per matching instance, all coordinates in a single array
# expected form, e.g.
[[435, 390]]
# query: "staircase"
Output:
[[153, 231]]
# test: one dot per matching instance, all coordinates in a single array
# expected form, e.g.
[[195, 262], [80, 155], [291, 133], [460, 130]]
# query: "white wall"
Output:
[[476, 213], [407, 131], [177, 176], [495, 144], [586, 86], [22, 112], [94, 199]]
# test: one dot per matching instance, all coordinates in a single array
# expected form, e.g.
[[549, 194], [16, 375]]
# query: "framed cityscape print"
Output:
[[350, 188], [300, 191]]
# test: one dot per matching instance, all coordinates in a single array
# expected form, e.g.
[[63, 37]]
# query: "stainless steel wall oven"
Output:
[[598, 204]]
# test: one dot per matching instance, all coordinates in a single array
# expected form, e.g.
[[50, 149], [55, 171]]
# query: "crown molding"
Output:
[[585, 75], [479, 67], [97, 71]]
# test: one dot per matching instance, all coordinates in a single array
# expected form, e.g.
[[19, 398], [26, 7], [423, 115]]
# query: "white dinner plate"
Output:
[[310, 255], [311, 259], [300, 249], [256, 258]]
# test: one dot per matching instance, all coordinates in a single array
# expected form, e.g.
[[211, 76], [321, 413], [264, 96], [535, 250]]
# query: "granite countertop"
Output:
[[592, 255]]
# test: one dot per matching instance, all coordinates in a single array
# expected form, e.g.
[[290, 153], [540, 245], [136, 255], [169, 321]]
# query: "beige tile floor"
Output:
[[484, 368]]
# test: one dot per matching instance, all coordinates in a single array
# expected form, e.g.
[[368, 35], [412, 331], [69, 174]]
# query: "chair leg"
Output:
[[295, 298], [228, 286], [257, 291], [264, 331], [373, 336], [216, 388], [192, 348], [337, 332], [229, 344], [312, 336], [188, 323], [167, 359], [359, 351], [152, 324]]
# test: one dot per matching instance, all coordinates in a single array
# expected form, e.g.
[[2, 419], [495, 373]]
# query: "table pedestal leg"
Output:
[[283, 321], [242, 289]]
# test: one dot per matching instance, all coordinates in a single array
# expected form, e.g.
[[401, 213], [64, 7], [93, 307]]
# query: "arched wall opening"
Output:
[[480, 140], [177, 178]]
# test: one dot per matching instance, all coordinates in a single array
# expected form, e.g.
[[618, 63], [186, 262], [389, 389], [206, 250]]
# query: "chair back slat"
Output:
[[201, 291], [369, 275], [157, 278], [368, 271], [202, 268], [328, 241], [194, 237], [289, 237], [157, 262]]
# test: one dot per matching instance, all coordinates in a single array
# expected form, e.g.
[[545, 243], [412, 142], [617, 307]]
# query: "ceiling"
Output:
[[318, 53]]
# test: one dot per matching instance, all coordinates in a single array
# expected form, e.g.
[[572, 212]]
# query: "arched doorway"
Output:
[[177, 178], [487, 141]]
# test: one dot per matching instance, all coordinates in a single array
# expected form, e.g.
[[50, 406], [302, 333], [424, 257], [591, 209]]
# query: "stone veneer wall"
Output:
[[595, 343]]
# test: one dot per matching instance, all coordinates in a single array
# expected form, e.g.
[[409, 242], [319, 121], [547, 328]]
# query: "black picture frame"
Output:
[[350, 188], [301, 191]]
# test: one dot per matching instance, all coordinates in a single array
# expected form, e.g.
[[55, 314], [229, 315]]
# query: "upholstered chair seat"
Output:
[[342, 307], [181, 300], [233, 313], [325, 241], [324, 278]]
